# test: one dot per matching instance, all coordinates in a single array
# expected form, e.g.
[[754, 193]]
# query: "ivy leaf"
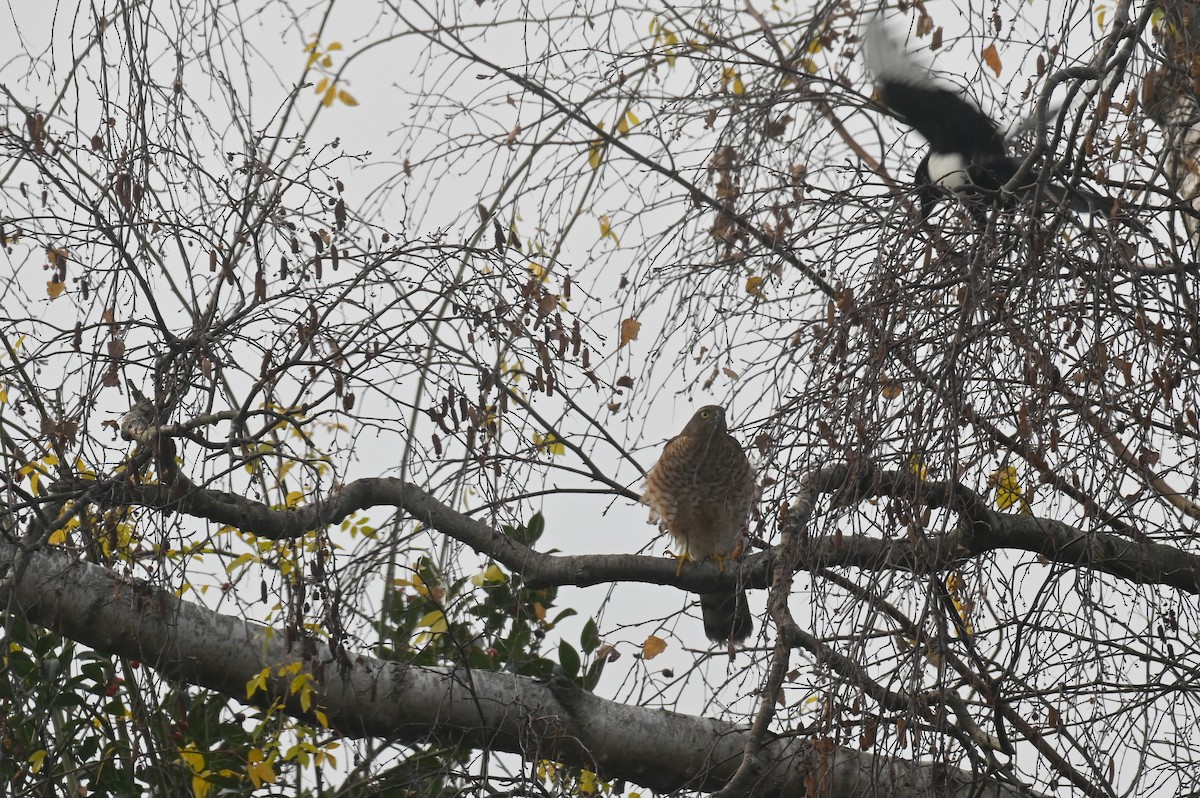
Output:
[[590, 638], [568, 658]]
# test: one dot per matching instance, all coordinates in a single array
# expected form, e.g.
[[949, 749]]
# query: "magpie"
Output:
[[967, 153]]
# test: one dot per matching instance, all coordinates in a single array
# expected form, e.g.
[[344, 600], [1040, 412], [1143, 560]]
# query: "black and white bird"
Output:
[[967, 152]]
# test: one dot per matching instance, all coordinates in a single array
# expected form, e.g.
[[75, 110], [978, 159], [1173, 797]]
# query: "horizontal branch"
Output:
[[982, 530], [498, 711]]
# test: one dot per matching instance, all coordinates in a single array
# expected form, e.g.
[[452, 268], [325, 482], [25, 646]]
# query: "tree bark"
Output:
[[364, 696]]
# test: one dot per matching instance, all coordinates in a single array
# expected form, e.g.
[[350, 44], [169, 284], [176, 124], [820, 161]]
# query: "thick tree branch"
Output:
[[983, 530], [363, 696]]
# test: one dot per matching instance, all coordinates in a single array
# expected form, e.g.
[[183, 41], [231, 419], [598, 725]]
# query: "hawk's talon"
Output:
[[684, 557]]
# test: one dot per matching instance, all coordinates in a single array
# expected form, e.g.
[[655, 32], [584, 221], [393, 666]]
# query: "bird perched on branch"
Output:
[[702, 490], [967, 153]]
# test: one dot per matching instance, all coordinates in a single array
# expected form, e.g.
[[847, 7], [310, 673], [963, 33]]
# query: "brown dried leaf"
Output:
[[992, 59], [629, 331], [653, 646]]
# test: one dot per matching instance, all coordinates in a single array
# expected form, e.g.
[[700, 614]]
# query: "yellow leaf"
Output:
[[239, 561], [294, 498], [311, 46], [435, 620], [347, 98], [606, 230], [732, 81], [322, 719], [629, 331], [653, 646], [917, 466], [312, 59], [330, 96], [259, 769], [992, 59], [596, 154], [193, 758], [327, 62], [58, 538], [290, 669], [417, 584], [36, 760], [890, 388], [754, 285], [334, 46], [549, 443], [299, 683], [322, 85], [259, 682], [1009, 491], [492, 575], [200, 787], [54, 289], [587, 782]]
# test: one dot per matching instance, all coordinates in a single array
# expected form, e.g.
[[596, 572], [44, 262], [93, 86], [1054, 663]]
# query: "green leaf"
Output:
[[536, 526], [568, 658], [592, 677], [590, 638]]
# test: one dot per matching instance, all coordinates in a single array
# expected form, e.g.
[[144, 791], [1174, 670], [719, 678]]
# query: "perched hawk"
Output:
[[702, 490]]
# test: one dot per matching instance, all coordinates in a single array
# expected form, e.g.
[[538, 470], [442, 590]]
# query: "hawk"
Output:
[[702, 490]]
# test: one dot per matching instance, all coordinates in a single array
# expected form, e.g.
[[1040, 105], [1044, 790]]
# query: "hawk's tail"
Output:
[[726, 616]]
